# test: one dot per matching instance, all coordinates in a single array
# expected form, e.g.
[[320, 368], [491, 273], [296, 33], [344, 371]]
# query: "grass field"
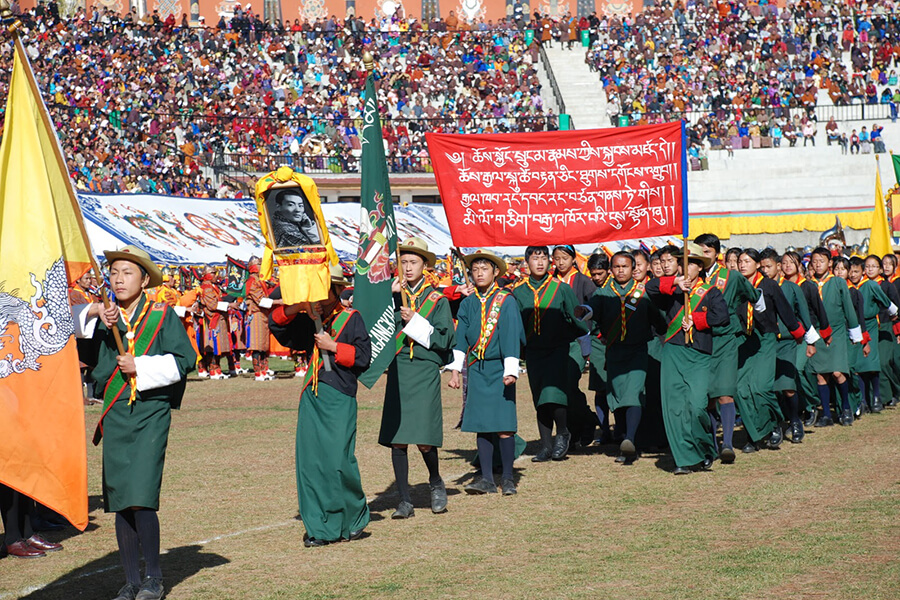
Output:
[[816, 520]]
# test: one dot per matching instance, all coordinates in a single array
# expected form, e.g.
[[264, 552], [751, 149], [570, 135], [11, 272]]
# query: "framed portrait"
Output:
[[292, 222]]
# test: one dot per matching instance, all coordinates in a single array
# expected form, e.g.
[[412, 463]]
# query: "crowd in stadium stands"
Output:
[[142, 105], [747, 72]]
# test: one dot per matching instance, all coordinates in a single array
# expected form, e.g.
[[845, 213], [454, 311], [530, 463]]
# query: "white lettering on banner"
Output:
[[383, 331]]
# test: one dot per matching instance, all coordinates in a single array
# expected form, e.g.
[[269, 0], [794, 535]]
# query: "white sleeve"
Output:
[[458, 358], [265, 303], [156, 371], [180, 311], [855, 334], [588, 315], [585, 343], [760, 305], [812, 336], [419, 329], [84, 327], [511, 366], [222, 306], [892, 309]]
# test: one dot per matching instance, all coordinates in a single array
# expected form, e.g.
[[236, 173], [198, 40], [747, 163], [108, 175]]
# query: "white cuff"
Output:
[[180, 311], [419, 329], [511, 366], [812, 336], [156, 371], [893, 309], [222, 307], [265, 303], [84, 326], [459, 358], [585, 342], [855, 334], [588, 315], [760, 305]]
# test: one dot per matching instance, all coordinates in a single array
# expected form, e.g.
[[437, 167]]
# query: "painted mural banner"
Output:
[[563, 187]]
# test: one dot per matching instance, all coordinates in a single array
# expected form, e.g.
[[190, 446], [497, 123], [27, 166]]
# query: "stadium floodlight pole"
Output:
[[12, 29], [369, 64]]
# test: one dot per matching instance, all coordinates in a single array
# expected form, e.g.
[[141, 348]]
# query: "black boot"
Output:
[[877, 406], [561, 446], [797, 432]]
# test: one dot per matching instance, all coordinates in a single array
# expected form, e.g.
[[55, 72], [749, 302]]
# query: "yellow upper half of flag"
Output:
[[38, 222], [880, 237]]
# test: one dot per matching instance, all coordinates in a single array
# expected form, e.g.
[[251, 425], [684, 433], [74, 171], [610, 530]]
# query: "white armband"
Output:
[[458, 358], [812, 336], [156, 371], [760, 305], [222, 307], [892, 309], [419, 329], [511, 366], [84, 326], [855, 334], [265, 303], [180, 311]]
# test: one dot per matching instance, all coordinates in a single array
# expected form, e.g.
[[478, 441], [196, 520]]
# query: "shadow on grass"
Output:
[[102, 578], [388, 499]]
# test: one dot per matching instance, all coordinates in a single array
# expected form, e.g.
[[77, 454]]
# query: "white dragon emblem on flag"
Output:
[[44, 322]]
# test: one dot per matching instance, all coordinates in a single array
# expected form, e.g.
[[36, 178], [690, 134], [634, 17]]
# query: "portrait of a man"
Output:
[[292, 219]]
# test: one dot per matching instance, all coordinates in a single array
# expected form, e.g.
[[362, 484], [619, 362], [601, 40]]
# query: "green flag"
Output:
[[372, 295], [895, 160]]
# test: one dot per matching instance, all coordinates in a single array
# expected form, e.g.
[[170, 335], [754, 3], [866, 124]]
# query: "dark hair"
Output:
[[481, 259], [892, 258], [640, 252], [654, 255], [856, 261], [669, 249], [839, 260], [536, 250], [598, 261], [769, 254], [823, 251], [875, 257], [623, 253], [795, 258], [709, 239], [567, 248], [732, 251], [752, 253]]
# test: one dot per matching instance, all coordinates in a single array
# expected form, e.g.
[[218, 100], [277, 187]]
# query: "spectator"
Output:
[[831, 130], [854, 142]]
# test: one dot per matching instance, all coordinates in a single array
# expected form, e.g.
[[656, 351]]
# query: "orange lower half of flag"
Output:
[[42, 428]]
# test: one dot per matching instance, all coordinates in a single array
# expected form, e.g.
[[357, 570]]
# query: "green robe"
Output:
[[412, 410], [135, 437], [874, 301], [548, 337], [490, 405], [834, 358], [790, 357], [726, 340], [684, 379]]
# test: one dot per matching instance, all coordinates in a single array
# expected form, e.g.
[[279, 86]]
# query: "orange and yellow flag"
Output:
[[42, 249]]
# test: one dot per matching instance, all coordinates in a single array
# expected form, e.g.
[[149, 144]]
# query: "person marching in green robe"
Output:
[[626, 318], [329, 490], [598, 266], [489, 337], [412, 396], [757, 355], [840, 266], [686, 354], [885, 332], [831, 362], [726, 341], [790, 357], [548, 314], [140, 389], [890, 354]]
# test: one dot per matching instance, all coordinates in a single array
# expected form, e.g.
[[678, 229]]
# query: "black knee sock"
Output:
[[545, 426], [431, 461], [793, 403], [729, 415], [714, 426], [561, 417], [863, 388], [825, 397], [876, 385], [632, 420], [16, 515], [508, 455], [129, 546], [400, 460], [844, 390], [486, 455], [146, 523]]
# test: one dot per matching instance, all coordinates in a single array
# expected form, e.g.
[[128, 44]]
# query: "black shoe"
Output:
[[404, 510], [846, 418], [797, 432], [313, 542], [858, 413], [542, 456], [621, 459], [727, 455], [824, 421], [775, 438], [893, 402], [811, 417], [438, 498], [706, 465], [508, 487], [355, 535], [749, 448], [481, 486], [681, 471], [128, 592], [627, 448], [561, 446], [151, 589], [39, 523], [877, 406]]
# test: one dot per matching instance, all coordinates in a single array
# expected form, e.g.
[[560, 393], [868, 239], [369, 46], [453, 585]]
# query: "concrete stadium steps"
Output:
[[581, 89]]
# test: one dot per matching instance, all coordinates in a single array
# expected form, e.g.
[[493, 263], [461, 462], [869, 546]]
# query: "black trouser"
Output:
[[15, 509]]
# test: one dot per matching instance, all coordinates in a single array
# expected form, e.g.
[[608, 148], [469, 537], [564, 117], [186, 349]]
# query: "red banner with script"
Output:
[[562, 187]]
